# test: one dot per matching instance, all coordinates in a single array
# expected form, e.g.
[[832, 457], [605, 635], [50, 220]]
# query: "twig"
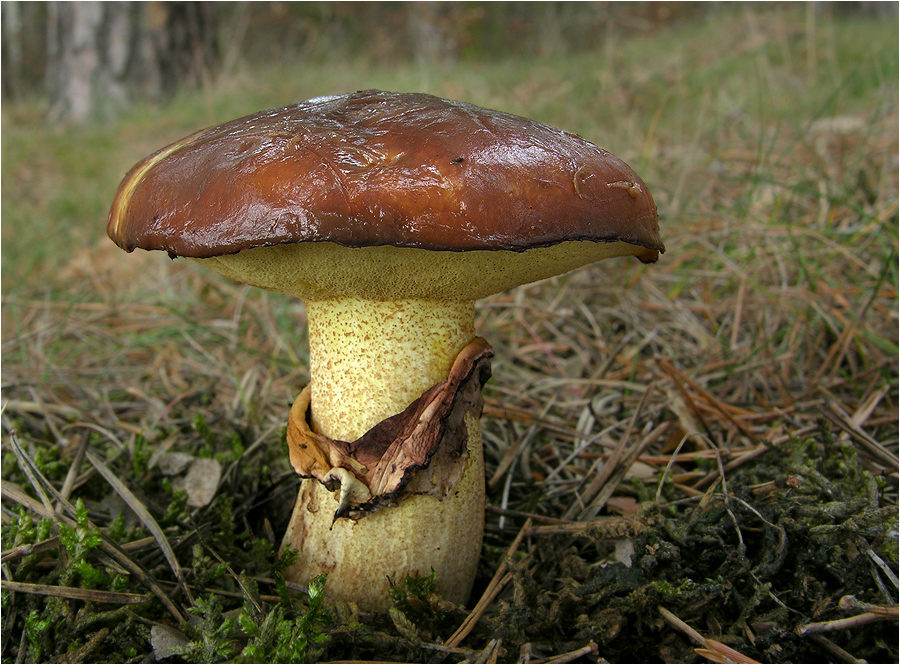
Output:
[[836, 415], [487, 655], [864, 411], [619, 473], [82, 654], [237, 578], [92, 595], [686, 396], [31, 472], [512, 453], [100, 430], [716, 652], [854, 605], [144, 515], [500, 579], [712, 650], [598, 482], [662, 479], [35, 407], [878, 561], [237, 594], [441, 648], [678, 624], [843, 624], [580, 450], [12, 492], [741, 547], [72, 474], [834, 649], [525, 515], [706, 395], [541, 344], [656, 460], [26, 550], [569, 656], [609, 528], [755, 452]]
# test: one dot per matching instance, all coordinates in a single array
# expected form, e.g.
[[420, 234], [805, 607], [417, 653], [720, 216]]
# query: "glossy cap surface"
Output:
[[382, 169]]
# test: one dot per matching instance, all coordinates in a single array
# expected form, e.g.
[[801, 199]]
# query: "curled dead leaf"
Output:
[[387, 459]]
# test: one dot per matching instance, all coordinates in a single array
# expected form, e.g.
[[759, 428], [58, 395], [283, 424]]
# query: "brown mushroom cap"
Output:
[[382, 169], [377, 168]]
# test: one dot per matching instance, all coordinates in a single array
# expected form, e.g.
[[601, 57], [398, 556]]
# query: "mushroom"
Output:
[[389, 215]]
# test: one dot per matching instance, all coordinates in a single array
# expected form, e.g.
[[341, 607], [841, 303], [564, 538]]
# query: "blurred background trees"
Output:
[[101, 55], [91, 58]]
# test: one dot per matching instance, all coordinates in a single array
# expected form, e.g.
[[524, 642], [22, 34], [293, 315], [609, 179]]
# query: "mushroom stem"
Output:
[[369, 361]]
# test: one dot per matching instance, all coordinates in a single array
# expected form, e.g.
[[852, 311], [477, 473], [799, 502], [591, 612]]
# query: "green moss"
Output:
[[286, 636]]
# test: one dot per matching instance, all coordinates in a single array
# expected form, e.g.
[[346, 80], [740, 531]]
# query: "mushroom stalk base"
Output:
[[363, 558], [369, 361]]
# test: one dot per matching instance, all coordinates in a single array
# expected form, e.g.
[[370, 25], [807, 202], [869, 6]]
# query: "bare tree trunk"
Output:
[[431, 27], [102, 55], [187, 44], [23, 48], [11, 24]]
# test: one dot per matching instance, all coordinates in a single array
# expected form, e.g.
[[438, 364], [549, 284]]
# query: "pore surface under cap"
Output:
[[377, 168]]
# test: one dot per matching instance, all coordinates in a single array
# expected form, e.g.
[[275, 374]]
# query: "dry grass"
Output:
[[772, 317]]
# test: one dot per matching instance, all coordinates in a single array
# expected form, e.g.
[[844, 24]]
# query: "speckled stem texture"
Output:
[[369, 361]]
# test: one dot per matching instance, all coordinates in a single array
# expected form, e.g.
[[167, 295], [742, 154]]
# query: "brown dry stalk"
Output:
[[712, 650], [851, 603], [614, 463], [836, 651], [755, 452], [25, 550], [843, 624], [610, 528], [146, 518], [839, 417], [716, 652], [657, 460], [512, 452], [524, 515], [634, 452], [590, 648], [723, 409], [489, 654], [678, 624], [73, 593], [500, 579], [268, 598]]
